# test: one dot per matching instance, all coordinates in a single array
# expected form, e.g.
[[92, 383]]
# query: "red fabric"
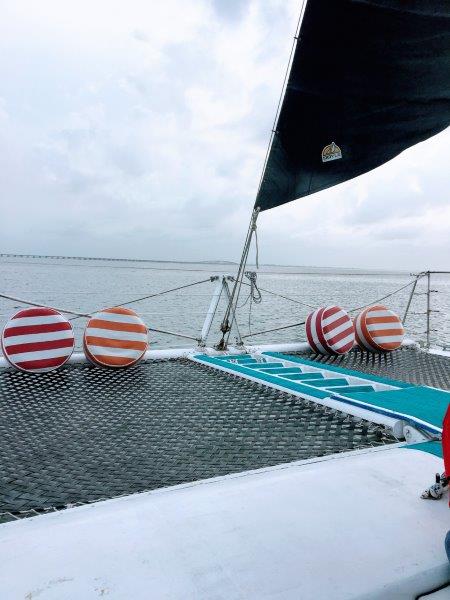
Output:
[[446, 442]]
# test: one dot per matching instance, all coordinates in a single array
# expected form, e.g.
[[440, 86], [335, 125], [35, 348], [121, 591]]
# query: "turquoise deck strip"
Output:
[[430, 447], [426, 404], [328, 367], [288, 384]]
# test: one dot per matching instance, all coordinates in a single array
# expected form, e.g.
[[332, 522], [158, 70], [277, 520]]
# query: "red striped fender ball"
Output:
[[115, 337], [330, 331], [37, 340], [379, 329]]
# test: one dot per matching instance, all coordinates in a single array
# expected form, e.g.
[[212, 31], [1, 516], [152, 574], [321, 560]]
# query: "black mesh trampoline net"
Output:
[[82, 433]]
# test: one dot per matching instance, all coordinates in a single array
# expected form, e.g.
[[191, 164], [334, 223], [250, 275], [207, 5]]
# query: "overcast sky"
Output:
[[138, 129]]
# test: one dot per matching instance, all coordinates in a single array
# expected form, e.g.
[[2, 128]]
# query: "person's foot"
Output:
[[447, 544]]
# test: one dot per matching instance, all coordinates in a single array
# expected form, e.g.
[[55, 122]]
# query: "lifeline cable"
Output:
[[63, 310], [87, 315], [181, 287], [275, 329], [384, 297], [313, 307], [80, 314]]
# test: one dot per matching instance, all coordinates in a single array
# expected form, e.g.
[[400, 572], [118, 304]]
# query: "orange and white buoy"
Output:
[[330, 331], [379, 329], [115, 337]]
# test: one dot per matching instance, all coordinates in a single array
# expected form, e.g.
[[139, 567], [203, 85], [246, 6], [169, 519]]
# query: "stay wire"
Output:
[[303, 322], [351, 310], [274, 329], [181, 287], [237, 287], [234, 297], [384, 297], [63, 310], [87, 315], [283, 90]]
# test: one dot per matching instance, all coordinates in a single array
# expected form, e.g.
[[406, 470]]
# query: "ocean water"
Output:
[[90, 285]]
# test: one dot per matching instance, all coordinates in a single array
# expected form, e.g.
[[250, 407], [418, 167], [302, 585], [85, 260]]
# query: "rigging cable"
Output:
[[254, 296], [250, 334], [181, 287], [283, 89], [225, 326], [275, 329], [384, 297], [63, 310], [88, 315], [281, 296]]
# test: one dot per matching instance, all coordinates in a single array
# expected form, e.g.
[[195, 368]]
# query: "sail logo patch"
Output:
[[331, 152]]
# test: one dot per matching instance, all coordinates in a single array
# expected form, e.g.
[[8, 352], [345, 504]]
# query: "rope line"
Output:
[[281, 296], [181, 287], [250, 334], [275, 329], [314, 307], [384, 297], [254, 296], [87, 315], [63, 310], [183, 335], [80, 314]]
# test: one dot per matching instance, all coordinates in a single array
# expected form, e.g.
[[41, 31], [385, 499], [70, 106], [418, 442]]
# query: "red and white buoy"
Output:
[[38, 340], [330, 331], [115, 337], [379, 329]]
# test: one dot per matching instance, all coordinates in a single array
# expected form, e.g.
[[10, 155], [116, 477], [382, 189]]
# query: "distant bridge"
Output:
[[142, 260], [8, 255]]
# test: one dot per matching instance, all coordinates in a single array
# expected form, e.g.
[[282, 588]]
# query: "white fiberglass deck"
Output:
[[350, 526]]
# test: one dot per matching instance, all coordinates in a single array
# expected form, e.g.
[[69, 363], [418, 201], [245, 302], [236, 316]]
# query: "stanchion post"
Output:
[[428, 307]]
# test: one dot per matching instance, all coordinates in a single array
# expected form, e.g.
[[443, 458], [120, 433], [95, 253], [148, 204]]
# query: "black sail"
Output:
[[369, 78]]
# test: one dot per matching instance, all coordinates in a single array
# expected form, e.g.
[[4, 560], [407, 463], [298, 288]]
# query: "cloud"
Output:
[[139, 130], [230, 9]]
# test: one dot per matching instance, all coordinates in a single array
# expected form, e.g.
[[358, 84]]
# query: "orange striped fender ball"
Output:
[[115, 337], [330, 331], [378, 329], [37, 340]]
